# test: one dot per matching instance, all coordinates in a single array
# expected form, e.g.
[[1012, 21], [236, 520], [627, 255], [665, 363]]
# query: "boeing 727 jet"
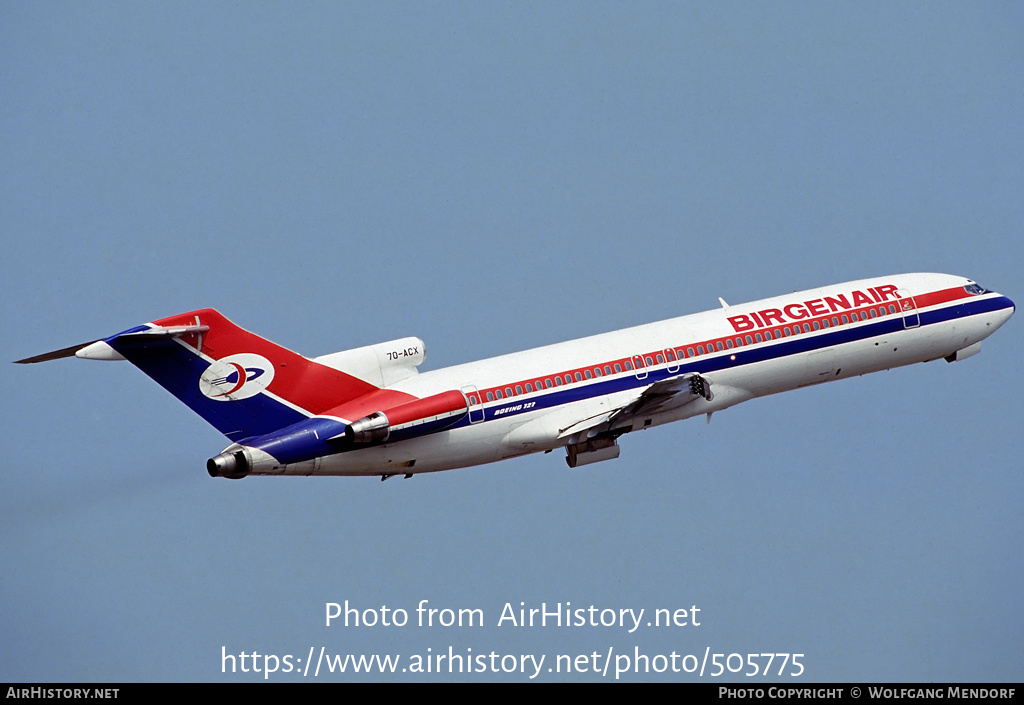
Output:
[[370, 411]]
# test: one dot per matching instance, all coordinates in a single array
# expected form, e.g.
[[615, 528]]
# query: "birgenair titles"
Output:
[[370, 411]]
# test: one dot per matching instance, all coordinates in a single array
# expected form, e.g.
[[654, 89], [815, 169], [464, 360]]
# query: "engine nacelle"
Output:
[[318, 436], [374, 428], [413, 418], [233, 465], [382, 364]]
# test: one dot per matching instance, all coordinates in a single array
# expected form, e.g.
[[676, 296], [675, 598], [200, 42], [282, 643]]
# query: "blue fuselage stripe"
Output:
[[738, 357]]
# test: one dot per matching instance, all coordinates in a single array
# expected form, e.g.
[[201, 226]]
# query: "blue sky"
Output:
[[492, 177]]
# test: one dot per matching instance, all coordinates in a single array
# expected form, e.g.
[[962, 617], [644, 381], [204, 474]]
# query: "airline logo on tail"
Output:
[[236, 377]]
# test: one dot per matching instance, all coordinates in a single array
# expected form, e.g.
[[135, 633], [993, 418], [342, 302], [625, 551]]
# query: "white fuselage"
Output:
[[523, 402]]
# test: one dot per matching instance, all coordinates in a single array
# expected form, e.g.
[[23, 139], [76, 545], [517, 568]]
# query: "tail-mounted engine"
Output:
[[413, 418], [324, 435], [382, 364], [368, 430], [233, 465]]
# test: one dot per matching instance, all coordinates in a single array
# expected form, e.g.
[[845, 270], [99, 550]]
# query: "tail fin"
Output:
[[205, 360]]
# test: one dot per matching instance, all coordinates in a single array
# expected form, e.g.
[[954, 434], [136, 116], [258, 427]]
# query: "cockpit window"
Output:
[[975, 289]]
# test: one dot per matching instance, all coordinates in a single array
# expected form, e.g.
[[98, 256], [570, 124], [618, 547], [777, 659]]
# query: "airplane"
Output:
[[370, 411]]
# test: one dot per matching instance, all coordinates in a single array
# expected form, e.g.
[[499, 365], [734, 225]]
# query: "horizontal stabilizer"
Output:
[[104, 352], [172, 331], [56, 354]]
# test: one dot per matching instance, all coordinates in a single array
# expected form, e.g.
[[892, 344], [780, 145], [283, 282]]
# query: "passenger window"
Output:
[[497, 393], [587, 374], [618, 367], [719, 345], [547, 383], [661, 359], [757, 338], [473, 400], [750, 340], [728, 344], [689, 352], [608, 370], [627, 364], [579, 377], [490, 397], [519, 389], [529, 387], [558, 381]]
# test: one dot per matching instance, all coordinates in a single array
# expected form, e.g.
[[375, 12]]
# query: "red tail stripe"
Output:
[[309, 385]]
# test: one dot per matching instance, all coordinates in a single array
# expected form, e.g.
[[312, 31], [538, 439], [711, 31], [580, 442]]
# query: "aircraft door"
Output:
[[911, 319], [639, 369], [476, 407], [673, 361]]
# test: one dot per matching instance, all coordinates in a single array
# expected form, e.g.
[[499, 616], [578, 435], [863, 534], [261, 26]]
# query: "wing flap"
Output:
[[664, 395], [587, 424], [671, 393]]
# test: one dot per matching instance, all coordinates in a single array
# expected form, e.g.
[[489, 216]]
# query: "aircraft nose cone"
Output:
[[1005, 311], [1011, 306]]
